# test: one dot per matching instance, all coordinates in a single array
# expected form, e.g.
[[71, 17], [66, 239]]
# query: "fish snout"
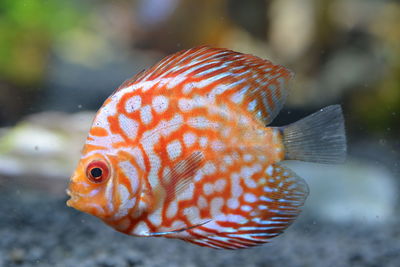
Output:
[[73, 198]]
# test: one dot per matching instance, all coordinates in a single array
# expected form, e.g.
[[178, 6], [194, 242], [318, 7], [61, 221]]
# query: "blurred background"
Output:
[[59, 60]]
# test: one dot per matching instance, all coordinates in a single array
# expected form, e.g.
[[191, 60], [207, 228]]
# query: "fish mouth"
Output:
[[73, 193], [69, 193], [72, 200], [81, 203]]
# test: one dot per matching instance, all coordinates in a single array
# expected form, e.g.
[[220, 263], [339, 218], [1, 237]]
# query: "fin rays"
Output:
[[259, 80], [284, 205], [320, 137]]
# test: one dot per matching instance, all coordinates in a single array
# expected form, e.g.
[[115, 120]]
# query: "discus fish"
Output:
[[182, 150]]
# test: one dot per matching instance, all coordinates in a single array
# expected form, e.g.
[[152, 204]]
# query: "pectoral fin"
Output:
[[176, 183]]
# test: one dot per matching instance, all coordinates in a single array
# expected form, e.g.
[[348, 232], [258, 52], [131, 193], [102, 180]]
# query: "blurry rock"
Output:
[[354, 192], [353, 67], [386, 25], [17, 255], [355, 13], [255, 24], [70, 84], [347, 68], [239, 40], [153, 12], [356, 65], [85, 65], [292, 27], [44, 149]]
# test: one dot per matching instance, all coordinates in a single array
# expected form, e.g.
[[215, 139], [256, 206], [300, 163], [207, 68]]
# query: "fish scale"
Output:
[[181, 151]]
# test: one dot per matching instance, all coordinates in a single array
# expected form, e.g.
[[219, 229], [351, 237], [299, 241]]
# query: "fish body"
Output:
[[181, 150]]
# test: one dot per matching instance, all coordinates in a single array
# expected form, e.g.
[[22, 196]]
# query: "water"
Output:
[[75, 55]]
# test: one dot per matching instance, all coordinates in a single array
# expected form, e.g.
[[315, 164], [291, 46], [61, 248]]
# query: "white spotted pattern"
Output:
[[208, 189], [145, 114], [128, 126], [201, 122], [202, 202], [209, 168], [216, 205], [109, 194], [185, 104], [174, 149], [133, 104], [172, 209], [236, 189], [131, 173], [252, 105], [208, 67], [126, 203], [220, 185], [233, 203], [141, 229], [246, 208], [203, 141], [160, 103], [269, 170], [155, 217], [192, 214], [251, 198], [189, 139]]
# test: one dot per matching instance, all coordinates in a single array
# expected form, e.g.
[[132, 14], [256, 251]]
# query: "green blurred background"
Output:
[[60, 59]]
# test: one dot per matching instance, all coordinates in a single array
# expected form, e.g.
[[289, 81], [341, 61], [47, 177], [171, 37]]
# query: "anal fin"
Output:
[[176, 231], [280, 196]]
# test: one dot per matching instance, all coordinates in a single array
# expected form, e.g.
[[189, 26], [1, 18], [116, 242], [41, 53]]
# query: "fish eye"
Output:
[[97, 171]]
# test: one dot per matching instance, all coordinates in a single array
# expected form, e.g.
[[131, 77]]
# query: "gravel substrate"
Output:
[[39, 230]]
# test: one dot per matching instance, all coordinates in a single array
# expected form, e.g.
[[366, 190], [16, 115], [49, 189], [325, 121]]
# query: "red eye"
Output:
[[97, 171]]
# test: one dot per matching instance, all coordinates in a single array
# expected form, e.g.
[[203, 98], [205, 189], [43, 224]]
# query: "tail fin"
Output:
[[319, 137]]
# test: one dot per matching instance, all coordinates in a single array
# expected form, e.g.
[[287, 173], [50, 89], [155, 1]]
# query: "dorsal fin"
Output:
[[244, 80], [131, 80]]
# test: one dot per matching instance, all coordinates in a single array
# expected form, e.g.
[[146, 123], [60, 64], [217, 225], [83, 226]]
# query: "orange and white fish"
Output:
[[181, 150]]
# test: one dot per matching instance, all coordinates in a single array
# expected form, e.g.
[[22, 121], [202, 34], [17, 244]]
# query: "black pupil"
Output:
[[96, 172]]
